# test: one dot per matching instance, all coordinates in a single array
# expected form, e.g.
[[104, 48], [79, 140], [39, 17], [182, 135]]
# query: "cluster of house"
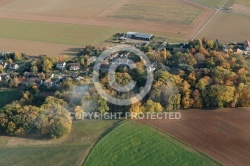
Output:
[[242, 48], [120, 59], [70, 66], [12, 66]]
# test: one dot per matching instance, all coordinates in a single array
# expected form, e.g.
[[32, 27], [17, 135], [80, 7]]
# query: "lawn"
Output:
[[78, 35], [158, 11], [136, 144], [214, 3], [65, 151], [9, 95]]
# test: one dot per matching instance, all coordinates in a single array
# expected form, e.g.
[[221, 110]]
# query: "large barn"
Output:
[[137, 35]]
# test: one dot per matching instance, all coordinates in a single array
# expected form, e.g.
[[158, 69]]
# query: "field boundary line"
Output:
[[179, 141], [89, 150]]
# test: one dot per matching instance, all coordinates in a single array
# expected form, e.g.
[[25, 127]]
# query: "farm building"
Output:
[[137, 35]]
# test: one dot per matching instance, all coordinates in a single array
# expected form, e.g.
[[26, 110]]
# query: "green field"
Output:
[[136, 144], [55, 32], [66, 151], [214, 3], [9, 95], [158, 11]]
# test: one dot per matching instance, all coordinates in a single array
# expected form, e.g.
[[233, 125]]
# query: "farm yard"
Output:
[[137, 144], [72, 148], [57, 25], [222, 134]]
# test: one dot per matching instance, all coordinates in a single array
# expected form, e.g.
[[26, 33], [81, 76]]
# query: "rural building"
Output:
[[61, 65], [14, 66], [137, 35], [74, 66]]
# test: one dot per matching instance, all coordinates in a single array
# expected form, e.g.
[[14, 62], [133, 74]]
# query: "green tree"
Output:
[[103, 105]]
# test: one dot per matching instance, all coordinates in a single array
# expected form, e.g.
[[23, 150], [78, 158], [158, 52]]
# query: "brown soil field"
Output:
[[227, 28], [222, 134], [37, 48]]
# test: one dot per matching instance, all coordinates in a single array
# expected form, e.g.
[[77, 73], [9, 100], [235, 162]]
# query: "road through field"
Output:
[[215, 14]]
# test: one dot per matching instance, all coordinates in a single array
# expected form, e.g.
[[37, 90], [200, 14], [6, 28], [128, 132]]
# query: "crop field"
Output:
[[69, 150], [136, 144], [158, 11], [222, 134], [58, 26], [9, 95], [227, 28], [67, 8], [243, 2], [214, 3]]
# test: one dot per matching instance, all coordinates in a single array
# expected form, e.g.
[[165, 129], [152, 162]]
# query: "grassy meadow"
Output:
[[131, 143], [69, 150]]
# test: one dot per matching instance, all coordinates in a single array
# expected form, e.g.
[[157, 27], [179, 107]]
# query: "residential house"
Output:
[[14, 66], [61, 65], [74, 66], [4, 64]]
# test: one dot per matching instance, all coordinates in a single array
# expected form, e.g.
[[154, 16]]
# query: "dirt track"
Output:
[[221, 134]]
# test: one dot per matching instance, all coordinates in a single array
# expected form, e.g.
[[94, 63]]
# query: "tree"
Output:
[[47, 65], [135, 110], [10, 61], [210, 43], [151, 106], [14, 82], [78, 112], [17, 56], [103, 105], [1, 69]]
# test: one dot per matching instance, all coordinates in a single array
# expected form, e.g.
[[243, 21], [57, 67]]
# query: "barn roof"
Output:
[[144, 35]]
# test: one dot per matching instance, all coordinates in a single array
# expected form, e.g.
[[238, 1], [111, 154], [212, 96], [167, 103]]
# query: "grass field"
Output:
[[214, 3], [66, 151], [71, 34], [136, 144], [9, 95], [158, 11], [227, 28]]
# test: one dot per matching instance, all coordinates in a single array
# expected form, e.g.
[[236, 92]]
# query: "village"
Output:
[[17, 70]]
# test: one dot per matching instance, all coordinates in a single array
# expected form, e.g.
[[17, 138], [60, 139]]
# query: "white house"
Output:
[[14, 66], [61, 65]]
